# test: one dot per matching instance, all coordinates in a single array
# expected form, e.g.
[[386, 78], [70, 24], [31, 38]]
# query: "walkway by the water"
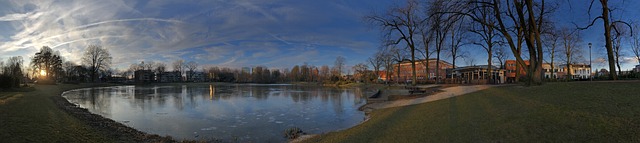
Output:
[[446, 93]]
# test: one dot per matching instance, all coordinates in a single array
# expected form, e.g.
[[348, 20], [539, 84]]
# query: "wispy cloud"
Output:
[[230, 33]]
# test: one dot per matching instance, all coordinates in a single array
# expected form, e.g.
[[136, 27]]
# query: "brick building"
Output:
[[405, 74]]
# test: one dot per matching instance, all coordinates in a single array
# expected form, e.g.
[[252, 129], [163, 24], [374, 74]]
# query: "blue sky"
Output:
[[236, 33]]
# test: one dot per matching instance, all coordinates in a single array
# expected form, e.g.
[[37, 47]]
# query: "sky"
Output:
[[230, 33]]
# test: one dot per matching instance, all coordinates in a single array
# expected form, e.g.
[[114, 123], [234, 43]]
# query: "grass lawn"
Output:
[[554, 112], [34, 117]]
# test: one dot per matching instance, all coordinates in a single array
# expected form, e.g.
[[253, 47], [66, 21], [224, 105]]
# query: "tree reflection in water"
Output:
[[253, 113]]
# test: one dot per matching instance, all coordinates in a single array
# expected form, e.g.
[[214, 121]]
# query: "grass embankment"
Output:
[[42, 115], [554, 112]]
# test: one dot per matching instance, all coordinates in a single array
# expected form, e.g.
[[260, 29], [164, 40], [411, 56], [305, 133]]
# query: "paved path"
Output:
[[446, 93]]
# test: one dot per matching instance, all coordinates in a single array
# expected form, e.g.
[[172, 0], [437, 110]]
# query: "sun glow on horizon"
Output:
[[43, 73]]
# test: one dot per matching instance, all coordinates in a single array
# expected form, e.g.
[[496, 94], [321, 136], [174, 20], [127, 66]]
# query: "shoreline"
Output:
[[106, 126], [122, 133]]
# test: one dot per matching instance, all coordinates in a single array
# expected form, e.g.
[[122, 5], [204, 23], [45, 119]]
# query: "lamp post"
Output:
[[590, 77]]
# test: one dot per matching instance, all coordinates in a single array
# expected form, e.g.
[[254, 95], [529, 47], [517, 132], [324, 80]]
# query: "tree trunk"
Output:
[[413, 67], [608, 44]]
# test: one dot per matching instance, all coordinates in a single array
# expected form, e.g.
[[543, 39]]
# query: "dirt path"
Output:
[[446, 93]]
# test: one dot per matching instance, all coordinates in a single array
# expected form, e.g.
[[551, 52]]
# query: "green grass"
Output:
[[33, 117], [554, 112]]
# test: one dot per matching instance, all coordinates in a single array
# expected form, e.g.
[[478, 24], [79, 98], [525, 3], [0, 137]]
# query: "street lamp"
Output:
[[590, 77]]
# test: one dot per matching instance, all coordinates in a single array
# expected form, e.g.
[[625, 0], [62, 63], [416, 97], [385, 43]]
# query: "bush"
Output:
[[293, 133]]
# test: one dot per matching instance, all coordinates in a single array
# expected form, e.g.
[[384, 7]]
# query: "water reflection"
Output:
[[253, 113]]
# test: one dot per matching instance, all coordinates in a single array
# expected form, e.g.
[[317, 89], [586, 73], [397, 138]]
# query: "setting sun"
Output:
[[43, 72]]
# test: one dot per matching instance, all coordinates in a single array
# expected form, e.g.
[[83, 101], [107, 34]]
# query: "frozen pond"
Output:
[[242, 112]]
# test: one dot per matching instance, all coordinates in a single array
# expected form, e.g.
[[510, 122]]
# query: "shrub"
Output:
[[293, 133]]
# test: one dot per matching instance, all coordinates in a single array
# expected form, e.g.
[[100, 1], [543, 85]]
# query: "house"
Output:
[[404, 73], [577, 72], [477, 75], [174, 76], [143, 76], [555, 73], [637, 68]]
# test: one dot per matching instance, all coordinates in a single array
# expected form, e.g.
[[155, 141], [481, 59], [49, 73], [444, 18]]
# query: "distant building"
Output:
[[637, 68], [578, 71], [555, 73], [511, 67], [173, 76], [195, 76], [477, 75], [143, 76], [406, 73]]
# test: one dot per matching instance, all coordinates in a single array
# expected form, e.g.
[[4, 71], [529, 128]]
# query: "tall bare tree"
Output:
[[401, 24], [525, 15], [387, 59], [500, 53], [97, 59], [398, 56], [160, 67], [376, 62], [552, 41], [635, 42], [618, 36], [487, 34], [191, 66], [441, 25], [179, 66], [569, 40], [607, 22], [458, 34], [338, 66]]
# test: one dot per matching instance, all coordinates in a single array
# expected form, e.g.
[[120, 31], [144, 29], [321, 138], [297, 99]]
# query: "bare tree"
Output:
[[338, 66], [398, 56], [376, 62], [617, 36], [569, 40], [487, 34], [324, 72], [148, 65], [160, 67], [500, 53], [401, 24], [635, 43], [608, 23], [179, 66], [360, 70], [97, 59], [191, 67], [387, 59], [526, 16], [458, 33], [470, 60], [552, 39], [441, 25]]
